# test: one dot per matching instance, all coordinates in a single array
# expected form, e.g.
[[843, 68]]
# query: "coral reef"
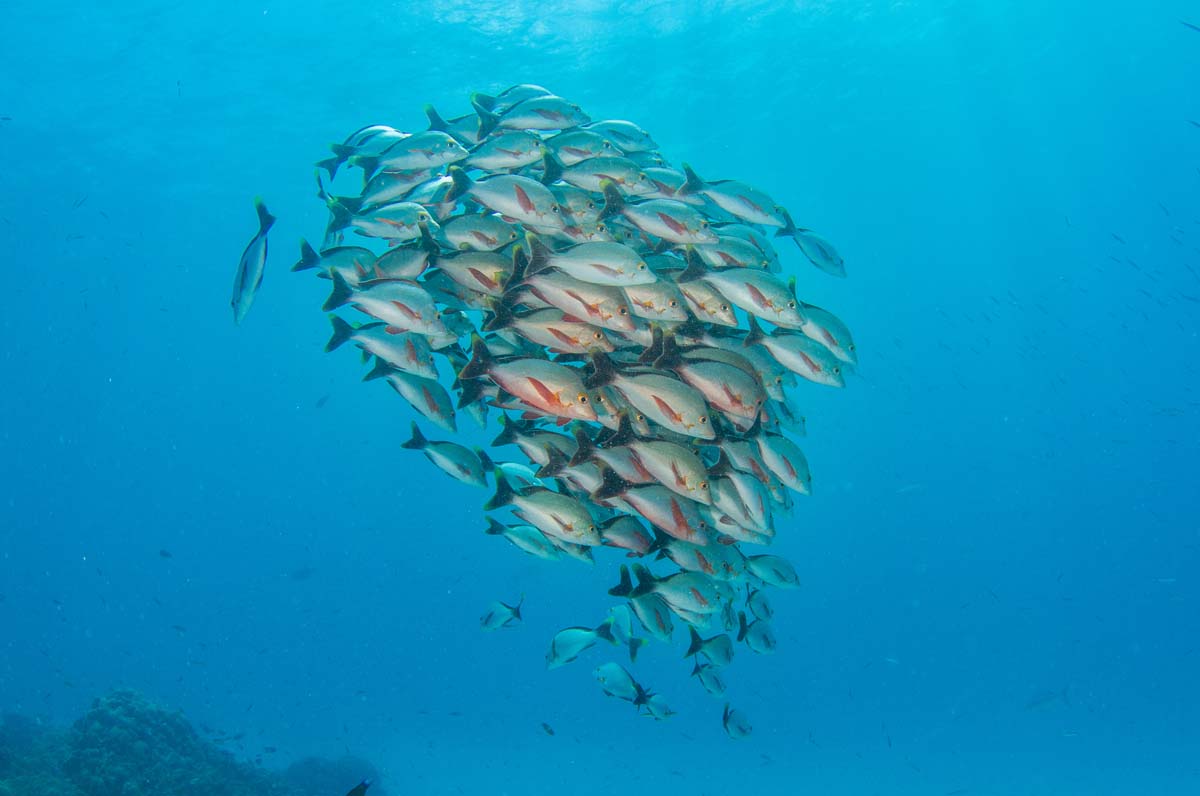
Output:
[[126, 745]]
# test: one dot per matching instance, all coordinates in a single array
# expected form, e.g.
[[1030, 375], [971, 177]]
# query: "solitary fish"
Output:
[[736, 723], [501, 615], [250, 267]]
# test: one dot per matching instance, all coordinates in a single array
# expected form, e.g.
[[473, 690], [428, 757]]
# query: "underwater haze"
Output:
[[999, 561]]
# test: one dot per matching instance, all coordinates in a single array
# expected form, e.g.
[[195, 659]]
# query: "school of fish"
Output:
[[627, 324]]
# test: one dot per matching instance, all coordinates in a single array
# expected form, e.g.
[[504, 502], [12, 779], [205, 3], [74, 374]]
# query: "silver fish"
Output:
[[252, 265]]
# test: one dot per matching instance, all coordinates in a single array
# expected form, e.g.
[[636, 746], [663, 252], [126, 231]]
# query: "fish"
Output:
[[759, 605], [718, 649], [553, 513], [709, 677], [360, 789], [512, 196], [657, 707], [1187, 24], [569, 643], [457, 461], [757, 635], [617, 682], [526, 538], [736, 724], [252, 265], [428, 150], [599, 263], [546, 728], [773, 570], [502, 615]]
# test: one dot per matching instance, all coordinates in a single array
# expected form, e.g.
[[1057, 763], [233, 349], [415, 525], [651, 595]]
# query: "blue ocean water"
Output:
[[999, 561]]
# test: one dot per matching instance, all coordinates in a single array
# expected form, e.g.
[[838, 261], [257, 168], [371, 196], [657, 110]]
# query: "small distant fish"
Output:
[[1117, 237], [180, 629], [1189, 25], [360, 788], [1193, 123], [502, 615], [302, 573], [324, 399], [568, 644], [250, 267], [165, 554], [270, 750], [735, 722], [1047, 698], [547, 728]]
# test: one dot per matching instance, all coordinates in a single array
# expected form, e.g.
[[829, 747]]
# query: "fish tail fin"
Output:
[[556, 462], [659, 544], [669, 354], [692, 183], [340, 295], [478, 363], [625, 587], [635, 644], [485, 101], [743, 628], [654, 350], [611, 486], [502, 316], [539, 254], [504, 492], [603, 370], [641, 695], [418, 441], [342, 331], [368, 163], [614, 203], [585, 449], [488, 121], [470, 391], [494, 527], [485, 460], [696, 668], [508, 432], [789, 229], [755, 334], [552, 167], [379, 371], [429, 243], [462, 184], [331, 165], [517, 608], [265, 219], [695, 266], [695, 644], [341, 212], [604, 631], [520, 268], [645, 581], [436, 122], [308, 257], [623, 435]]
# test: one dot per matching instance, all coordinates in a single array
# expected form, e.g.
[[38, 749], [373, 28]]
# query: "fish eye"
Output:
[[837, 370], [791, 305], [512, 235], [607, 145], [583, 398], [672, 303], [641, 266], [622, 311], [591, 205], [703, 419], [703, 225], [597, 336], [554, 208], [422, 216], [724, 307], [703, 485], [641, 418], [850, 347], [601, 228]]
